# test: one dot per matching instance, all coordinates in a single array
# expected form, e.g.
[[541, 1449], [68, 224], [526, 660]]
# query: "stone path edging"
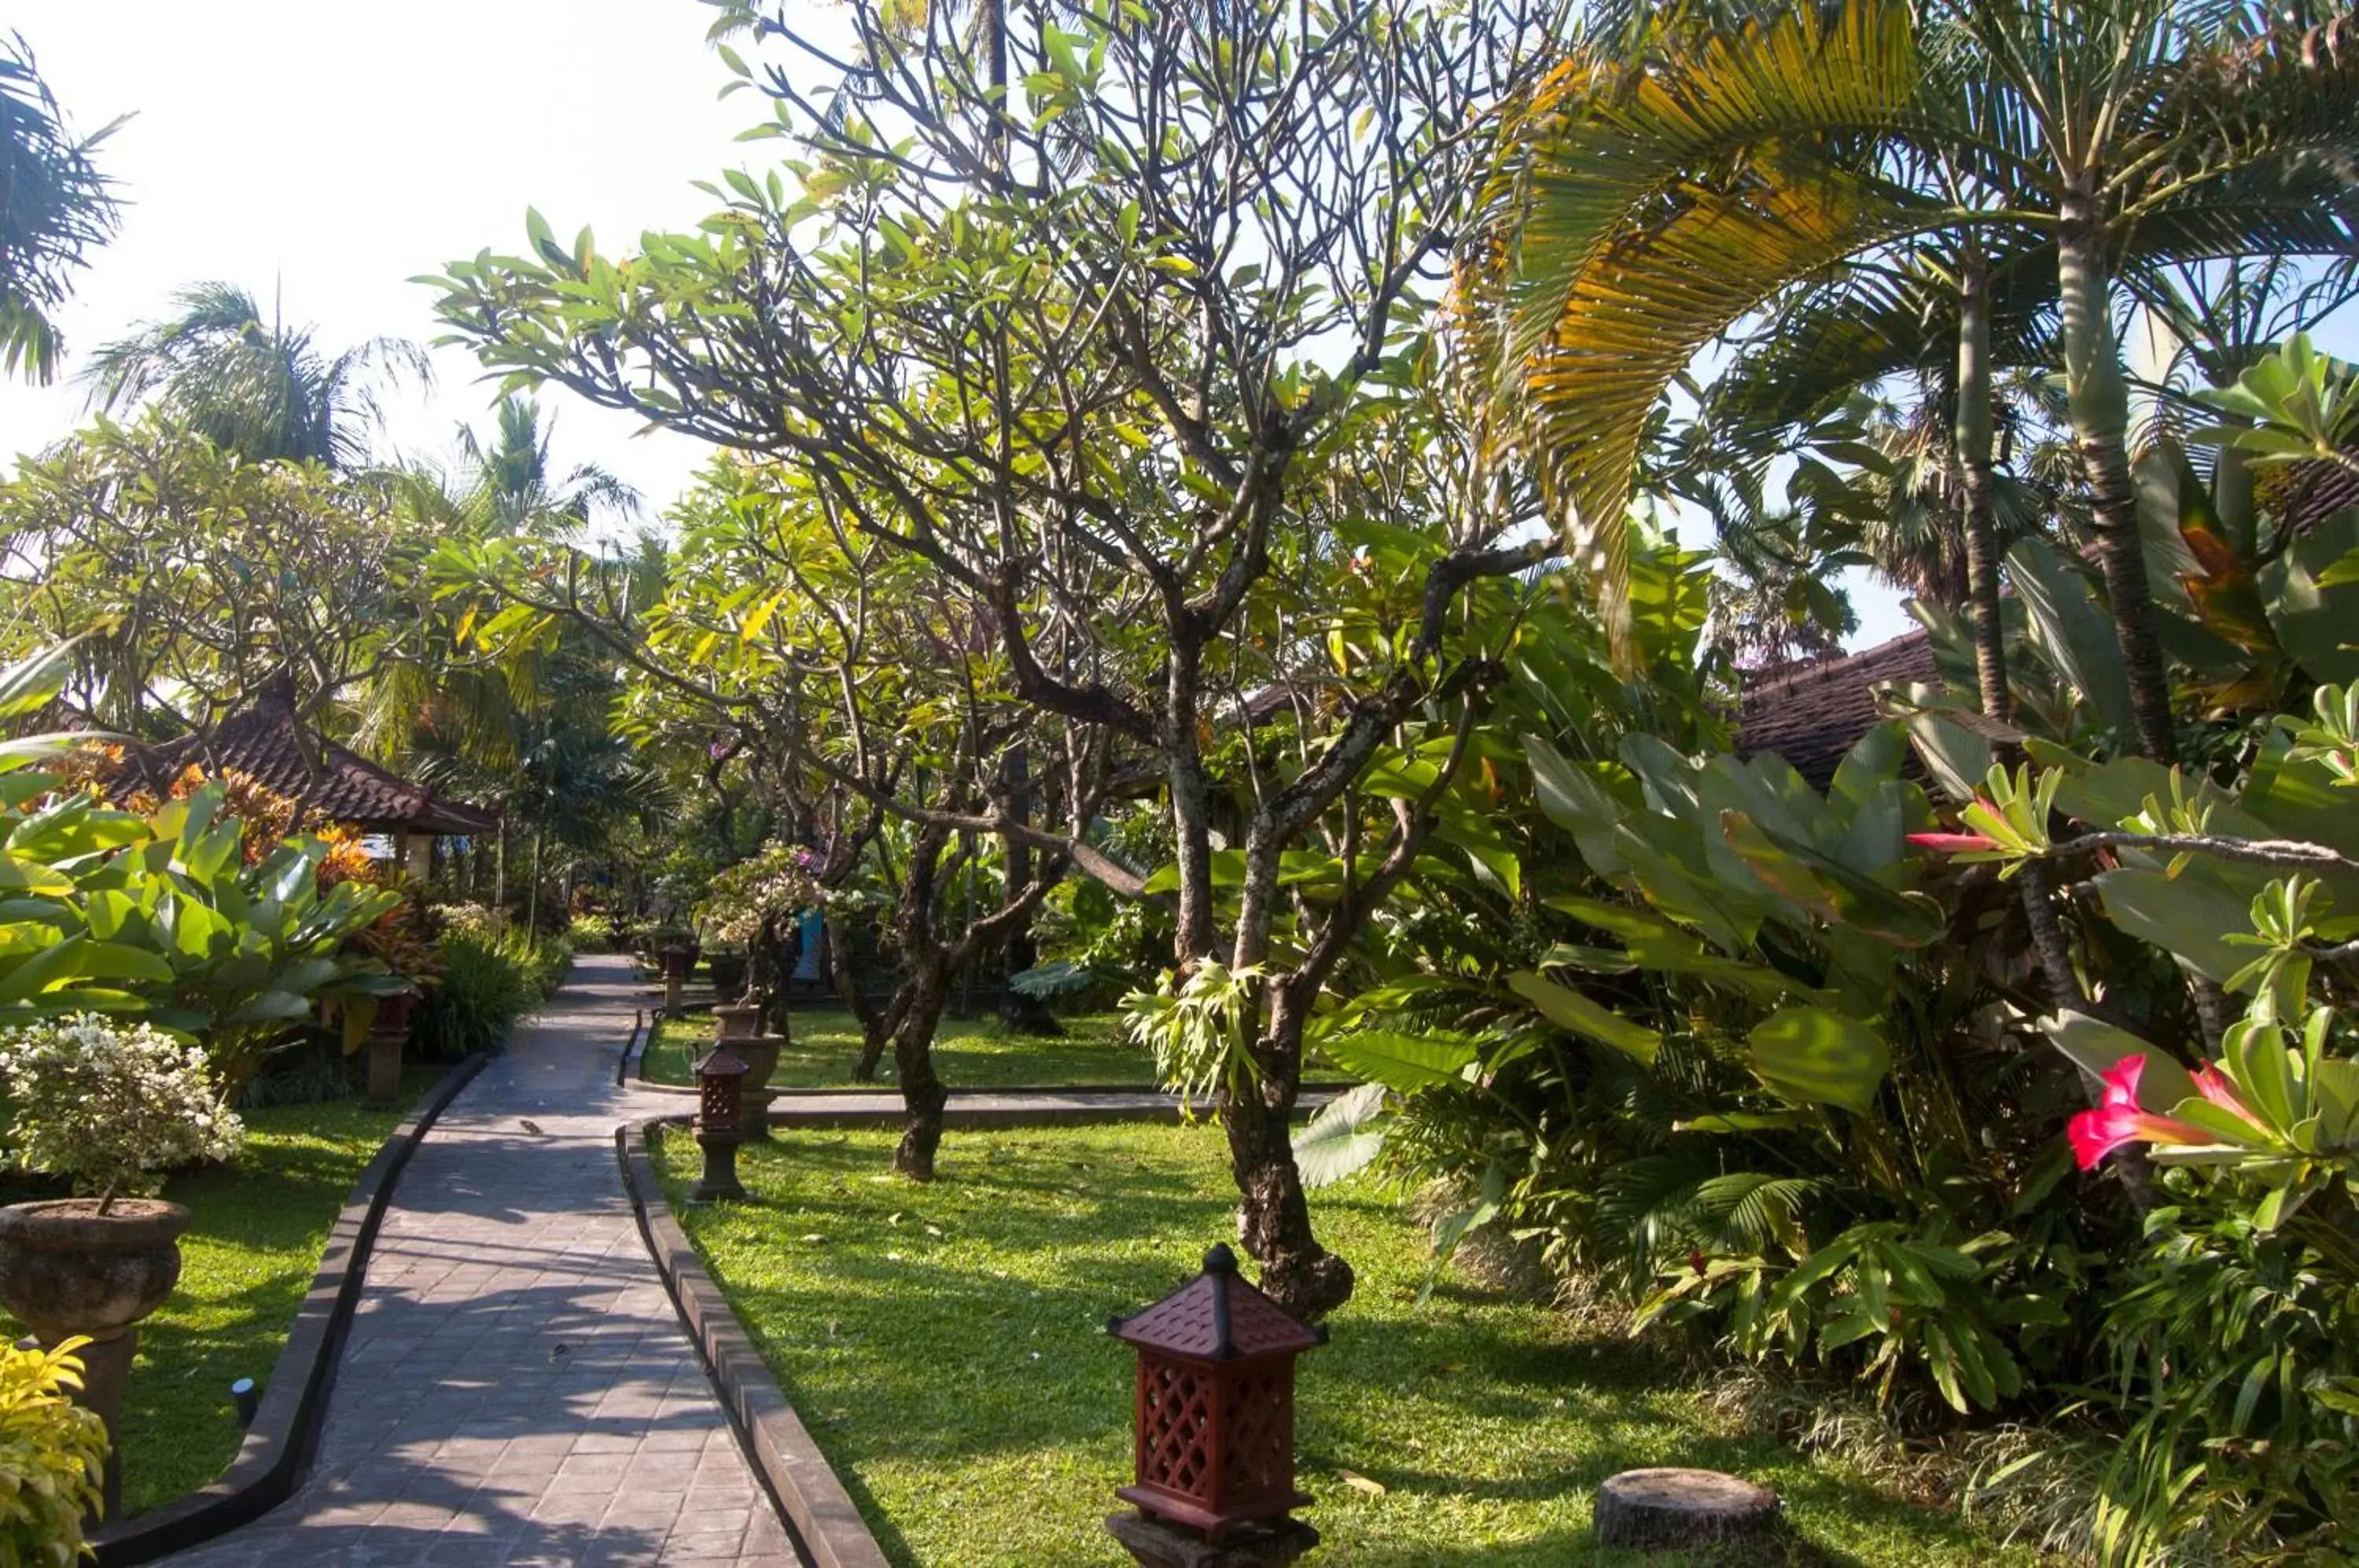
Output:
[[643, 1029], [278, 1447], [809, 1493]]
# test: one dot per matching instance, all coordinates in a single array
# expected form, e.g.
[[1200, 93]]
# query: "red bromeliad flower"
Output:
[[1954, 843], [2118, 1120]]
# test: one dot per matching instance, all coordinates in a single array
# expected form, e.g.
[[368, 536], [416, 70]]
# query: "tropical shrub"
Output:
[[488, 984], [51, 1455], [1736, 1068], [109, 1106]]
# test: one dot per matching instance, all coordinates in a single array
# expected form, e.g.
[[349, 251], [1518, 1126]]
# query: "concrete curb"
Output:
[[810, 1496], [280, 1444]]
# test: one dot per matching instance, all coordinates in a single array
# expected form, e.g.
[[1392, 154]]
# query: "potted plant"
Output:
[[107, 1106]]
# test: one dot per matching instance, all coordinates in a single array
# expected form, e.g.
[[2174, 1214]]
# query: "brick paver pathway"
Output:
[[516, 1387]]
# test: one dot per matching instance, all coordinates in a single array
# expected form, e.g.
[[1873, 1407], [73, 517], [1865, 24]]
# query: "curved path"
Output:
[[516, 1389]]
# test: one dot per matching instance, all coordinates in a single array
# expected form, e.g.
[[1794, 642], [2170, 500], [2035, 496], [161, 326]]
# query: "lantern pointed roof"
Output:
[[1217, 1316]]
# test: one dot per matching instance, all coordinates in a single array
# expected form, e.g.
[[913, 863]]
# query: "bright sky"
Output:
[[329, 151]]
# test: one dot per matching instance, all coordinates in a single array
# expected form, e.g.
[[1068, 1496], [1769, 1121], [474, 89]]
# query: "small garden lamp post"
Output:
[[678, 961], [388, 1032], [1215, 1426], [720, 1123]]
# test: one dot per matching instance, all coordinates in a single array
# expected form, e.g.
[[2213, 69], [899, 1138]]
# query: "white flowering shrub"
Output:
[[779, 881], [107, 1105]]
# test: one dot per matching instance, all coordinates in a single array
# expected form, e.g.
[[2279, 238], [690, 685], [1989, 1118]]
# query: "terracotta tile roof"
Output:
[[1813, 714], [269, 743]]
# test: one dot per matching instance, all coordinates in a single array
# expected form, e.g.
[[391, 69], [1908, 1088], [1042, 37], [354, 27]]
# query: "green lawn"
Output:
[[248, 1257], [968, 1056], [947, 1347]]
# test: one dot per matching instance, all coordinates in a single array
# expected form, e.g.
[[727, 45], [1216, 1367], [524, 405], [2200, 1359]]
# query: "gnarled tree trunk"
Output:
[[1273, 1213]]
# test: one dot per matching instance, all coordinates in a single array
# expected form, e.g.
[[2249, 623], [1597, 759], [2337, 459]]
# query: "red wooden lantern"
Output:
[[720, 1123], [1215, 1417]]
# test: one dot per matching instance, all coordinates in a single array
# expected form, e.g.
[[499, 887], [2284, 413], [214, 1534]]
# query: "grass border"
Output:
[[278, 1448]]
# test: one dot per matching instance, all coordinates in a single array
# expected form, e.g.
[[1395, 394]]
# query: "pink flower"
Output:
[[1954, 843], [2213, 1085], [2118, 1120]]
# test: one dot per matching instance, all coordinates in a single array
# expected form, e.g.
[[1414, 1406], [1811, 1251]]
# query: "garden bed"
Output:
[[947, 1347], [969, 1055], [251, 1251]]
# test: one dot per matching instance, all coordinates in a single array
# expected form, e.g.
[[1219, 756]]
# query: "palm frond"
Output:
[[1642, 212]]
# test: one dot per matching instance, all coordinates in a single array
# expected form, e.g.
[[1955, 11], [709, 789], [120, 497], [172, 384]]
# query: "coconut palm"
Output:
[[55, 208], [1649, 204], [260, 388]]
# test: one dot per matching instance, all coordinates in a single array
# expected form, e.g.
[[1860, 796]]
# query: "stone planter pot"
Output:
[[734, 1021], [67, 1270], [760, 1055]]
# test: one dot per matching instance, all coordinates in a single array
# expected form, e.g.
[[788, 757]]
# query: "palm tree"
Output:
[[262, 389], [1649, 204], [512, 488], [55, 207]]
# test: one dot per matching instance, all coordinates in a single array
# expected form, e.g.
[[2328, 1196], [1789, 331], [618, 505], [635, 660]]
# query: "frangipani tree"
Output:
[[1133, 360]]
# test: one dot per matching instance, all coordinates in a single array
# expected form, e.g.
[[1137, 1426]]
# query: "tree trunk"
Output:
[[1273, 1213], [2099, 397], [532, 895], [922, 1094], [1019, 1013], [1971, 440], [873, 1035]]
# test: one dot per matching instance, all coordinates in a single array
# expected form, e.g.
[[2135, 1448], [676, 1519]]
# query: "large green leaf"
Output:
[[2189, 917], [2073, 629], [1339, 1140], [1401, 1062], [1820, 1057], [1571, 1011], [1832, 891], [2094, 1046]]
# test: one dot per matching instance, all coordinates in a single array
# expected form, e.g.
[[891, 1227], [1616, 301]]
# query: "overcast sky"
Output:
[[326, 152]]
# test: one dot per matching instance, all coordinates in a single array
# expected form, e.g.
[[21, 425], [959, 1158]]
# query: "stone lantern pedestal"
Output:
[[1159, 1543]]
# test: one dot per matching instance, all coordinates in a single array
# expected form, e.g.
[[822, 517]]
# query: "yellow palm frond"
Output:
[[1646, 208]]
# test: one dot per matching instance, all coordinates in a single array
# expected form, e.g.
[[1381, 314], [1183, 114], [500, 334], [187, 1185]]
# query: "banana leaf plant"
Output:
[[114, 911], [1757, 1069]]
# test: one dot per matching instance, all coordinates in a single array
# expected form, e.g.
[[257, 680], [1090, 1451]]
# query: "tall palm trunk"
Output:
[[2099, 397], [1971, 442]]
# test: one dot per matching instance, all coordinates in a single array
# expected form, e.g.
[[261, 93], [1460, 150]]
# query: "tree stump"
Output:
[[1655, 1509]]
